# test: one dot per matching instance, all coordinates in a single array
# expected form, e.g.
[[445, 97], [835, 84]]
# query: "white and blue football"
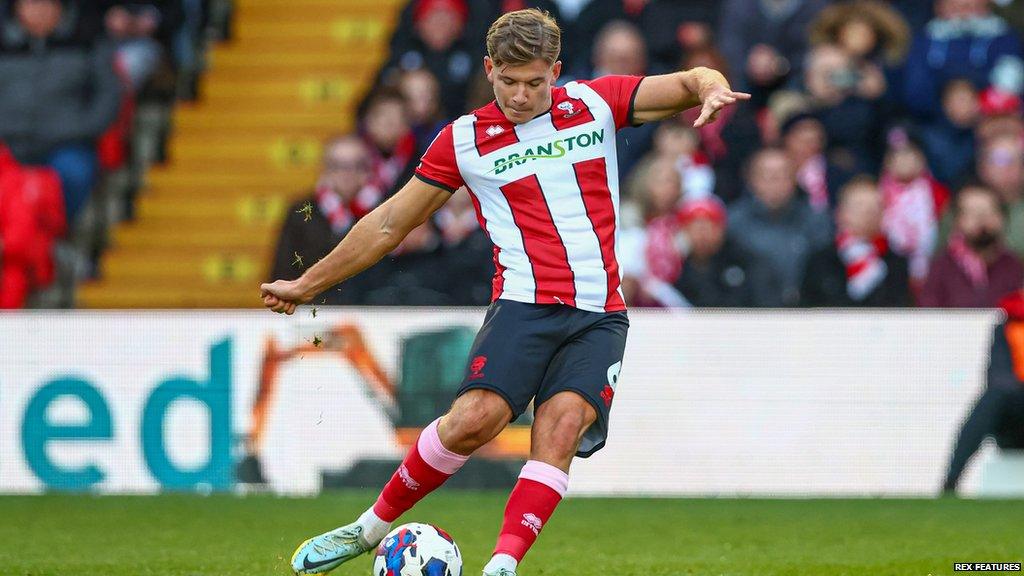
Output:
[[417, 550]]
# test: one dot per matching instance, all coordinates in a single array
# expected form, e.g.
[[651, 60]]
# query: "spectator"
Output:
[[764, 41], [859, 269], [872, 34], [315, 224], [805, 141], [422, 95], [773, 223], [679, 143], [144, 32], [392, 146], [468, 259], [1001, 167], [949, 139], [914, 204], [674, 28], [1000, 114], [655, 251], [999, 412], [964, 40], [432, 35], [620, 49], [59, 91], [869, 31], [975, 270], [847, 101], [715, 272]]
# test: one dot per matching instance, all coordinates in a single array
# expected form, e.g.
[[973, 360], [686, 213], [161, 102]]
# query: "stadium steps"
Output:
[[207, 221]]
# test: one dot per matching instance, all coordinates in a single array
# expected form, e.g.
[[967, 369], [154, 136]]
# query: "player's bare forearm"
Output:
[[376, 234], [370, 239], [664, 96]]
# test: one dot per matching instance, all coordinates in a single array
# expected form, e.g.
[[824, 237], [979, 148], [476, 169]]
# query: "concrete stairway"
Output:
[[207, 221]]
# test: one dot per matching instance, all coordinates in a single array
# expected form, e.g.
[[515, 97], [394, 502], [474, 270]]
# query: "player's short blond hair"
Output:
[[520, 37]]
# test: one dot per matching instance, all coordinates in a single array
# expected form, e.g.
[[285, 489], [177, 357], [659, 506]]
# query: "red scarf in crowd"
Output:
[[972, 265], [813, 178], [331, 206], [664, 259], [911, 221], [865, 269]]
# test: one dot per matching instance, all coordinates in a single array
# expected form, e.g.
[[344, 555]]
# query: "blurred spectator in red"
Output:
[[468, 256], [31, 219], [776, 224], [765, 41], [949, 139], [846, 98], [1001, 167], [392, 145], [715, 272], [964, 40], [144, 32], [805, 141], [859, 269], [422, 96], [315, 224], [1000, 114], [654, 250], [59, 91], [914, 203], [679, 143], [432, 34], [976, 269]]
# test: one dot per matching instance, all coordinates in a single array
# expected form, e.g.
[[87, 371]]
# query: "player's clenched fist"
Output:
[[283, 295]]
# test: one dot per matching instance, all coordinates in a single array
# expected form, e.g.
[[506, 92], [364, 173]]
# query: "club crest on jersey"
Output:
[[548, 151], [494, 131], [568, 108]]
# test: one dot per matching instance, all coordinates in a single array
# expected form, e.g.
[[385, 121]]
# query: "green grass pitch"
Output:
[[224, 535]]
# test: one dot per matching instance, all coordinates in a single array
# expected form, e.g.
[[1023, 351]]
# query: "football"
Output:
[[417, 550]]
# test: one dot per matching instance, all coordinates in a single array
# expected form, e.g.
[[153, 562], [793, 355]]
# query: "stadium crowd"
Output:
[[880, 162], [72, 75]]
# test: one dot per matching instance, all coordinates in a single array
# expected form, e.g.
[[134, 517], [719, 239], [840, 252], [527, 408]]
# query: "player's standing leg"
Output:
[[573, 409], [441, 449], [557, 431]]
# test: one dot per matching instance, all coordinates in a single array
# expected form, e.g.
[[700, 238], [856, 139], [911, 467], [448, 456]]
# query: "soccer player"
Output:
[[539, 164]]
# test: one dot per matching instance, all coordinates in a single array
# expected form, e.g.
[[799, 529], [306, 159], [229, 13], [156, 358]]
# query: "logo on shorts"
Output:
[[568, 108], [608, 394], [403, 473], [532, 522], [494, 131], [476, 367]]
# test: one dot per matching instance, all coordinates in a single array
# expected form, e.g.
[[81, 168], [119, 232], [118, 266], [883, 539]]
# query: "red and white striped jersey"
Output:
[[546, 192]]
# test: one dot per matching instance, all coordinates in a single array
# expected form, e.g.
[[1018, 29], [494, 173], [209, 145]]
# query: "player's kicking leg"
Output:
[[441, 449]]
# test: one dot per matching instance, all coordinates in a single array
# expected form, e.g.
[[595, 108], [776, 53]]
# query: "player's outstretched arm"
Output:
[[666, 95], [376, 234]]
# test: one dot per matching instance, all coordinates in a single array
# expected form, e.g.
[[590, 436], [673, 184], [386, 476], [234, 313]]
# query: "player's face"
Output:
[[523, 92]]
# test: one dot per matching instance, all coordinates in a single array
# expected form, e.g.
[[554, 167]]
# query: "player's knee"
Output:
[[568, 422], [474, 420]]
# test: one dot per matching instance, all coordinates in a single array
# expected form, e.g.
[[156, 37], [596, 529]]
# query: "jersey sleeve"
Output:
[[437, 166], [620, 93]]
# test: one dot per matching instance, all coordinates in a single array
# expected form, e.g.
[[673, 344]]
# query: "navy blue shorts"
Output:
[[528, 352]]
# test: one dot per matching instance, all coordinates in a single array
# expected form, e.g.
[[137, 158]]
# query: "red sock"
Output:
[[427, 465], [533, 500]]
